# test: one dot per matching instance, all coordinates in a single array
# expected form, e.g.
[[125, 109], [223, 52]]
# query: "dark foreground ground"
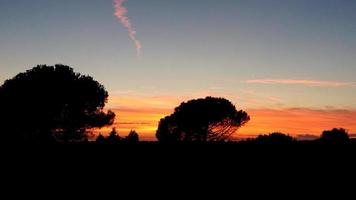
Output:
[[151, 153], [153, 169]]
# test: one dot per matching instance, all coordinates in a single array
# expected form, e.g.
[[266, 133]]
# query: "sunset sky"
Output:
[[291, 64]]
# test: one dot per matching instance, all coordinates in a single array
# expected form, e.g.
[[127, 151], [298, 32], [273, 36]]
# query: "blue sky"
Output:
[[192, 47]]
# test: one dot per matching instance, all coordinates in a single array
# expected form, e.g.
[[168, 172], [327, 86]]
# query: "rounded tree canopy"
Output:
[[52, 102], [336, 135], [209, 119], [274, 138]]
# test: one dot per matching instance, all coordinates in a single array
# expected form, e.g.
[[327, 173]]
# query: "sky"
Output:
[[289, 63]]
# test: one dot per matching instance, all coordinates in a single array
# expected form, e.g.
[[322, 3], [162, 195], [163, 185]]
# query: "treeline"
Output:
[[336, 136], [54, 104], [114, 138]]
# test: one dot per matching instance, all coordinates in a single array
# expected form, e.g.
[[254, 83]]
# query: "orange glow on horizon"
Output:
[[298, 121], [145, 122], [143, 115]]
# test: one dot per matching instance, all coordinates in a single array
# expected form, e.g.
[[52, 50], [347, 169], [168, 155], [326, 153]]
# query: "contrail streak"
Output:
[[120, 13]]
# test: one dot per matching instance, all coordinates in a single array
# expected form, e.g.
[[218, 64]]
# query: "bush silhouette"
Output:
[[274, 138], [52, 103], [132, 138], [113, 137], [335, 136], [100, 139], [200, 120]]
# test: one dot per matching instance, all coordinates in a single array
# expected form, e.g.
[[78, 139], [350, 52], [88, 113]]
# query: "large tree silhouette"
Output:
[[50, 103], [335, 136], [209, 119]]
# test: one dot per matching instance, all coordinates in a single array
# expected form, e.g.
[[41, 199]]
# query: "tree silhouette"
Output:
[[209, 119], [100, 139], [335, 136], [50, 103], [132, 138], [114, 137], [274, 138]]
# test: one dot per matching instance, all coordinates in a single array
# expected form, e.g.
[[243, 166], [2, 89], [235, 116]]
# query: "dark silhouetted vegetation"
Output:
[[52, 103], [132, 138], [209, 119], [273, 139], [100, 139], [114, 138], [335, 136]]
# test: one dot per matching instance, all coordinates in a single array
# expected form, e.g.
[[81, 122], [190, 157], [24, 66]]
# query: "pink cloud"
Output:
[[318, 83]]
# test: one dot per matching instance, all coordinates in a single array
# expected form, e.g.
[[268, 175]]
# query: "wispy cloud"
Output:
[[315, 83], [142, 101], [121, 14], [252, 99]]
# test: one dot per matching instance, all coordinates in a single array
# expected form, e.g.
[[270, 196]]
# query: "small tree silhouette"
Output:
[[50, 103], [132, 138], [335, 136], [209, 119], [100, 139], [114, 137]]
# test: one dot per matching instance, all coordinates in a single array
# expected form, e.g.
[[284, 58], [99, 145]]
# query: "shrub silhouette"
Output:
[[335, 136], [114, 137], [52, 103], [132, 138], [274, 138], [100, 139], [200, 120]]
